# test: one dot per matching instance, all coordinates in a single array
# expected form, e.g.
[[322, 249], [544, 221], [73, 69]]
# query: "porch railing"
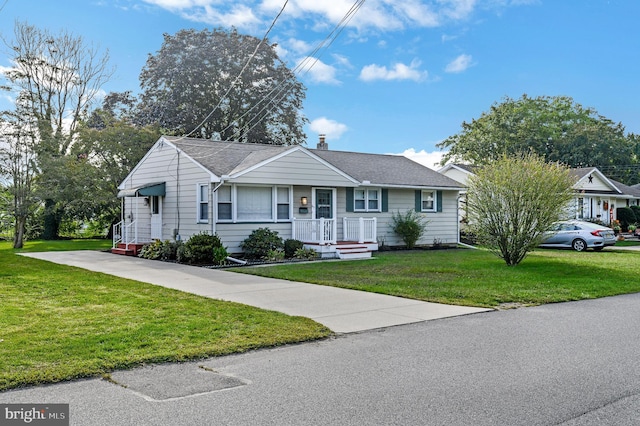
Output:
[[320, 231], [130, 233], [360, 229]]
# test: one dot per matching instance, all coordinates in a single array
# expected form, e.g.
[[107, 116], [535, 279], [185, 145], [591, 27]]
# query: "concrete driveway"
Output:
[[342, 310]]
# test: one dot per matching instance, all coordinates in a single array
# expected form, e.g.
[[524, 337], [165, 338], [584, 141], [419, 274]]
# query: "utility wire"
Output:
[[241, 71], [301, 69]]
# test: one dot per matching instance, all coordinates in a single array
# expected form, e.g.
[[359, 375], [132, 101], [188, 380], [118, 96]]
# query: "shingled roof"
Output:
[[228, 158], [380, 169]]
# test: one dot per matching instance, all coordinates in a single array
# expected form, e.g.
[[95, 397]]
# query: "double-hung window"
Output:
[[283, 197], [428, 202], [202, 203], [366, 200], [224, 203]]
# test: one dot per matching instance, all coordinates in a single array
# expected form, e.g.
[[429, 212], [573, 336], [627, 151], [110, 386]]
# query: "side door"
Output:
[[155, 205]]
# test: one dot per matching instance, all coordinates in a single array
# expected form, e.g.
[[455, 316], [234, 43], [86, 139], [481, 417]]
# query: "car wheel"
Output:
[[579, 245]]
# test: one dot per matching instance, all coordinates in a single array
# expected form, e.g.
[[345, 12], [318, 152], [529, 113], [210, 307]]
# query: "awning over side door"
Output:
[[156, 189]]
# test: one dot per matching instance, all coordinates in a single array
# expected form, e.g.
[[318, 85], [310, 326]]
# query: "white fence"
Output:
[[323, 231], [360, 229]]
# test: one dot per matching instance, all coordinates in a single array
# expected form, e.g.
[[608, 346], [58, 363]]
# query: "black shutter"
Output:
[[418, 205], [385, 200], [349, 206], [439, 201]]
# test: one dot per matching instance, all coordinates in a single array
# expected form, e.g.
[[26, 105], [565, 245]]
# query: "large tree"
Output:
[[18, 170], [222, 84], [109, 145], [555, 128], [55, 78], [512, 201]]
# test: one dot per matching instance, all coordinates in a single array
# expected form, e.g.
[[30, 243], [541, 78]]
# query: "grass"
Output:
[[59, 322], [475, 277]]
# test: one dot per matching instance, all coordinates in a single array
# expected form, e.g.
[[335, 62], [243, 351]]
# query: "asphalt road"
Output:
[[562, 364]]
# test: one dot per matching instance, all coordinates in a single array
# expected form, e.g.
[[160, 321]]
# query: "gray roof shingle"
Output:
[[226, 158], [381, 169]]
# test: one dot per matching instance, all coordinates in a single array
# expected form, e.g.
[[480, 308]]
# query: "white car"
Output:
[[579, 236]]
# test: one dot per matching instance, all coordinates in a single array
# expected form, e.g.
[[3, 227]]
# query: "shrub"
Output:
[[305, 253], [274, 255], [636, 211], [160, 250], [220, 255], [409, 226], [626, 216], [291, 246], [258, 244], [199, 249]]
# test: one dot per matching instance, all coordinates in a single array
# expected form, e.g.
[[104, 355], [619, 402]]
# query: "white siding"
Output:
[[295, 168], [232, 234], [596, 184], [164, 164], [441, 226], [457, 175]]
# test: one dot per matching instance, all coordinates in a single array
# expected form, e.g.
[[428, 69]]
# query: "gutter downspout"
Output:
[[213, 191]]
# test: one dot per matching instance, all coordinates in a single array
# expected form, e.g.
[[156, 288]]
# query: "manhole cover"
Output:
[[171, 381]]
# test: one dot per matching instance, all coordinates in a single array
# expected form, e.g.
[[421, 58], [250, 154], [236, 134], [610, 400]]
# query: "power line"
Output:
[[241, 71], [299, 69]]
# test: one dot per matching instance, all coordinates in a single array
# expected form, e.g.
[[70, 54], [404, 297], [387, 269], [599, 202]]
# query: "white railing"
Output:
[[360, 229], [130, 233], [320, 231]]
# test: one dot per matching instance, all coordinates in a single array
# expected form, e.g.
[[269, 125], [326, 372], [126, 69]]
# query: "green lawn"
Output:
[[58, 322], [475, 277]]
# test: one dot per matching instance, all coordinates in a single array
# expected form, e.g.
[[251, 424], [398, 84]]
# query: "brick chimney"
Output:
[[322, 144]]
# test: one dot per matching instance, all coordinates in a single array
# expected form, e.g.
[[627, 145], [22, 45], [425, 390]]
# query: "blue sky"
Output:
[[403, 75]]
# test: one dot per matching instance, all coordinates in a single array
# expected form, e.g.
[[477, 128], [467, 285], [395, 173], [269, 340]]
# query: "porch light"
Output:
[[303, 201]]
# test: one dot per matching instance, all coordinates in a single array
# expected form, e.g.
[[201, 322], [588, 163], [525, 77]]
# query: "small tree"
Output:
[[409, 226], [514, 200]]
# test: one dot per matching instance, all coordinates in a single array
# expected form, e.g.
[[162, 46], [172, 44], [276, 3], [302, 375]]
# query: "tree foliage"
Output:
[[19, 170], [513, 200], [108, 147], [55, 79], [191, 85], [555, 128]]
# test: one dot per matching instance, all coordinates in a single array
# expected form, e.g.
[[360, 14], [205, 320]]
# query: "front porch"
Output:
[[359, 236]]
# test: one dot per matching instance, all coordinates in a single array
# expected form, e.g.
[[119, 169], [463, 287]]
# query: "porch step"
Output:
[[122, 249], [361, 252]]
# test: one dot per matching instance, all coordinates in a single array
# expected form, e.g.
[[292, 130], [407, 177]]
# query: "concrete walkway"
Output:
[[342, 310]]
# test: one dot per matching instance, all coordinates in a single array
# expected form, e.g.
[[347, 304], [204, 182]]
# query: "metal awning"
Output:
[[156, 189]]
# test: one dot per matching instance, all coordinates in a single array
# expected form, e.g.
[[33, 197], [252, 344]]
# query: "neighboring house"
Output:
[[324, 198], [597, 196]]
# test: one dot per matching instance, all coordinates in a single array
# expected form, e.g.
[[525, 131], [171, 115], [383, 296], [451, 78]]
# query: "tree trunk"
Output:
[[18, 234], [51, 221]]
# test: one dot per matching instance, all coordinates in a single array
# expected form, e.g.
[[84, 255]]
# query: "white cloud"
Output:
[[317, 71], [300, 47], [342, 60], [331, 128], [399, 71], [385, 15], [429, 159], [459, 64]]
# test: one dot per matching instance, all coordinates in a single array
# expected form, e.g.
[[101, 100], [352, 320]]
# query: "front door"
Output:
[[324, 203], [155, 203]]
